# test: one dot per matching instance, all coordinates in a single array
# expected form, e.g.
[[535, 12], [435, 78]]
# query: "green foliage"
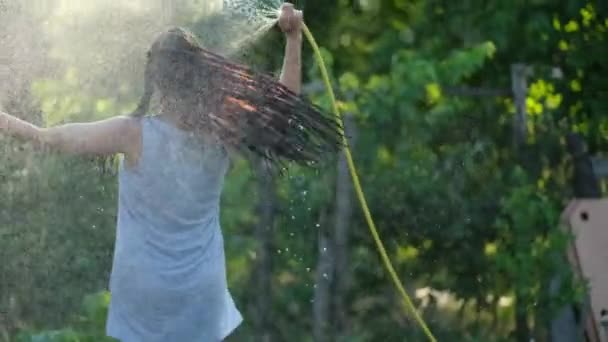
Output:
[[89, 326], [529, 254], [57, 230], [470, 222]]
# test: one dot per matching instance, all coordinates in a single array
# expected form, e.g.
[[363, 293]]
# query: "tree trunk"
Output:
[[262, 318], [323, 282], [522, 329], [494, 304], [519, 88], [342, 217]]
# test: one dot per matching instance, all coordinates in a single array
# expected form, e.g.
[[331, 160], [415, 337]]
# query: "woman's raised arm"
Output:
[[106, 137], [290, 22]]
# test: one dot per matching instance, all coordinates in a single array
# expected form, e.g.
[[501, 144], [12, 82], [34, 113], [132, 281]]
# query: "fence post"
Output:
[[519, 87]]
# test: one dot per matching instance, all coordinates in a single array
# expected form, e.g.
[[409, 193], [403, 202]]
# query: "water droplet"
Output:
[[293, 217], [279, 251], [286, 249], [324, 249], [325, 275], [317, 225], [291, 234], [304, 193], [307, 269]]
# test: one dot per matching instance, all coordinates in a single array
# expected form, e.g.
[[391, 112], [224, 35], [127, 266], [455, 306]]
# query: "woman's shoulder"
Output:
[[129, 129], [124, 123]]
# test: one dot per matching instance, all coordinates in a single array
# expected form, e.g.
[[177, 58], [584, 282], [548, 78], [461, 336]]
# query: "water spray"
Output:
[[269, 14]]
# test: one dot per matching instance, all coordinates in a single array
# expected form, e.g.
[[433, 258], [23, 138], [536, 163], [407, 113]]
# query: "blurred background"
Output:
[[473, 123]]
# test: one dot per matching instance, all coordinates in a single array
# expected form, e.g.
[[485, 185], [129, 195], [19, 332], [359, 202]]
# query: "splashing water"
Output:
[[97, 49], [254, 17], [258, 13]]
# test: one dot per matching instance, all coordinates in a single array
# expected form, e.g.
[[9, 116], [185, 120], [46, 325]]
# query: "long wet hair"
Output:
[[248, 112]]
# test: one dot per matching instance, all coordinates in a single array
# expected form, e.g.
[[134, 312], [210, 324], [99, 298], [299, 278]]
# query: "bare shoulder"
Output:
[[123, 122], [125, 130], [127, 124], [129, 131]]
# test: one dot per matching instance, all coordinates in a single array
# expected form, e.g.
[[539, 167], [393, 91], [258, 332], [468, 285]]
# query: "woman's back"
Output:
[[168, 279]]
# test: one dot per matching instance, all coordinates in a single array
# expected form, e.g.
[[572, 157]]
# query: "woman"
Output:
[[168, 280]]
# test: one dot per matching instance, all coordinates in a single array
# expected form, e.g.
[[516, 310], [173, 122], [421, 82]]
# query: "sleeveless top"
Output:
[[168, 280]]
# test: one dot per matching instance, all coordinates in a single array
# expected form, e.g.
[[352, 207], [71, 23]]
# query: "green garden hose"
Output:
[[359, 191]]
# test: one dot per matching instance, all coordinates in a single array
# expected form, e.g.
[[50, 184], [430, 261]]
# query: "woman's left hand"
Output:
[[290, 20]]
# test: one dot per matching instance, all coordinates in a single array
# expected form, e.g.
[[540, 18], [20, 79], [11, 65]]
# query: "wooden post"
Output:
[[519, 87], [332, 275], [342, 219], [263, 269]]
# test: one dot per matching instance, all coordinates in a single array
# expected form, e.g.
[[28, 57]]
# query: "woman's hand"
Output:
[[13, 126], [291, 20]]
